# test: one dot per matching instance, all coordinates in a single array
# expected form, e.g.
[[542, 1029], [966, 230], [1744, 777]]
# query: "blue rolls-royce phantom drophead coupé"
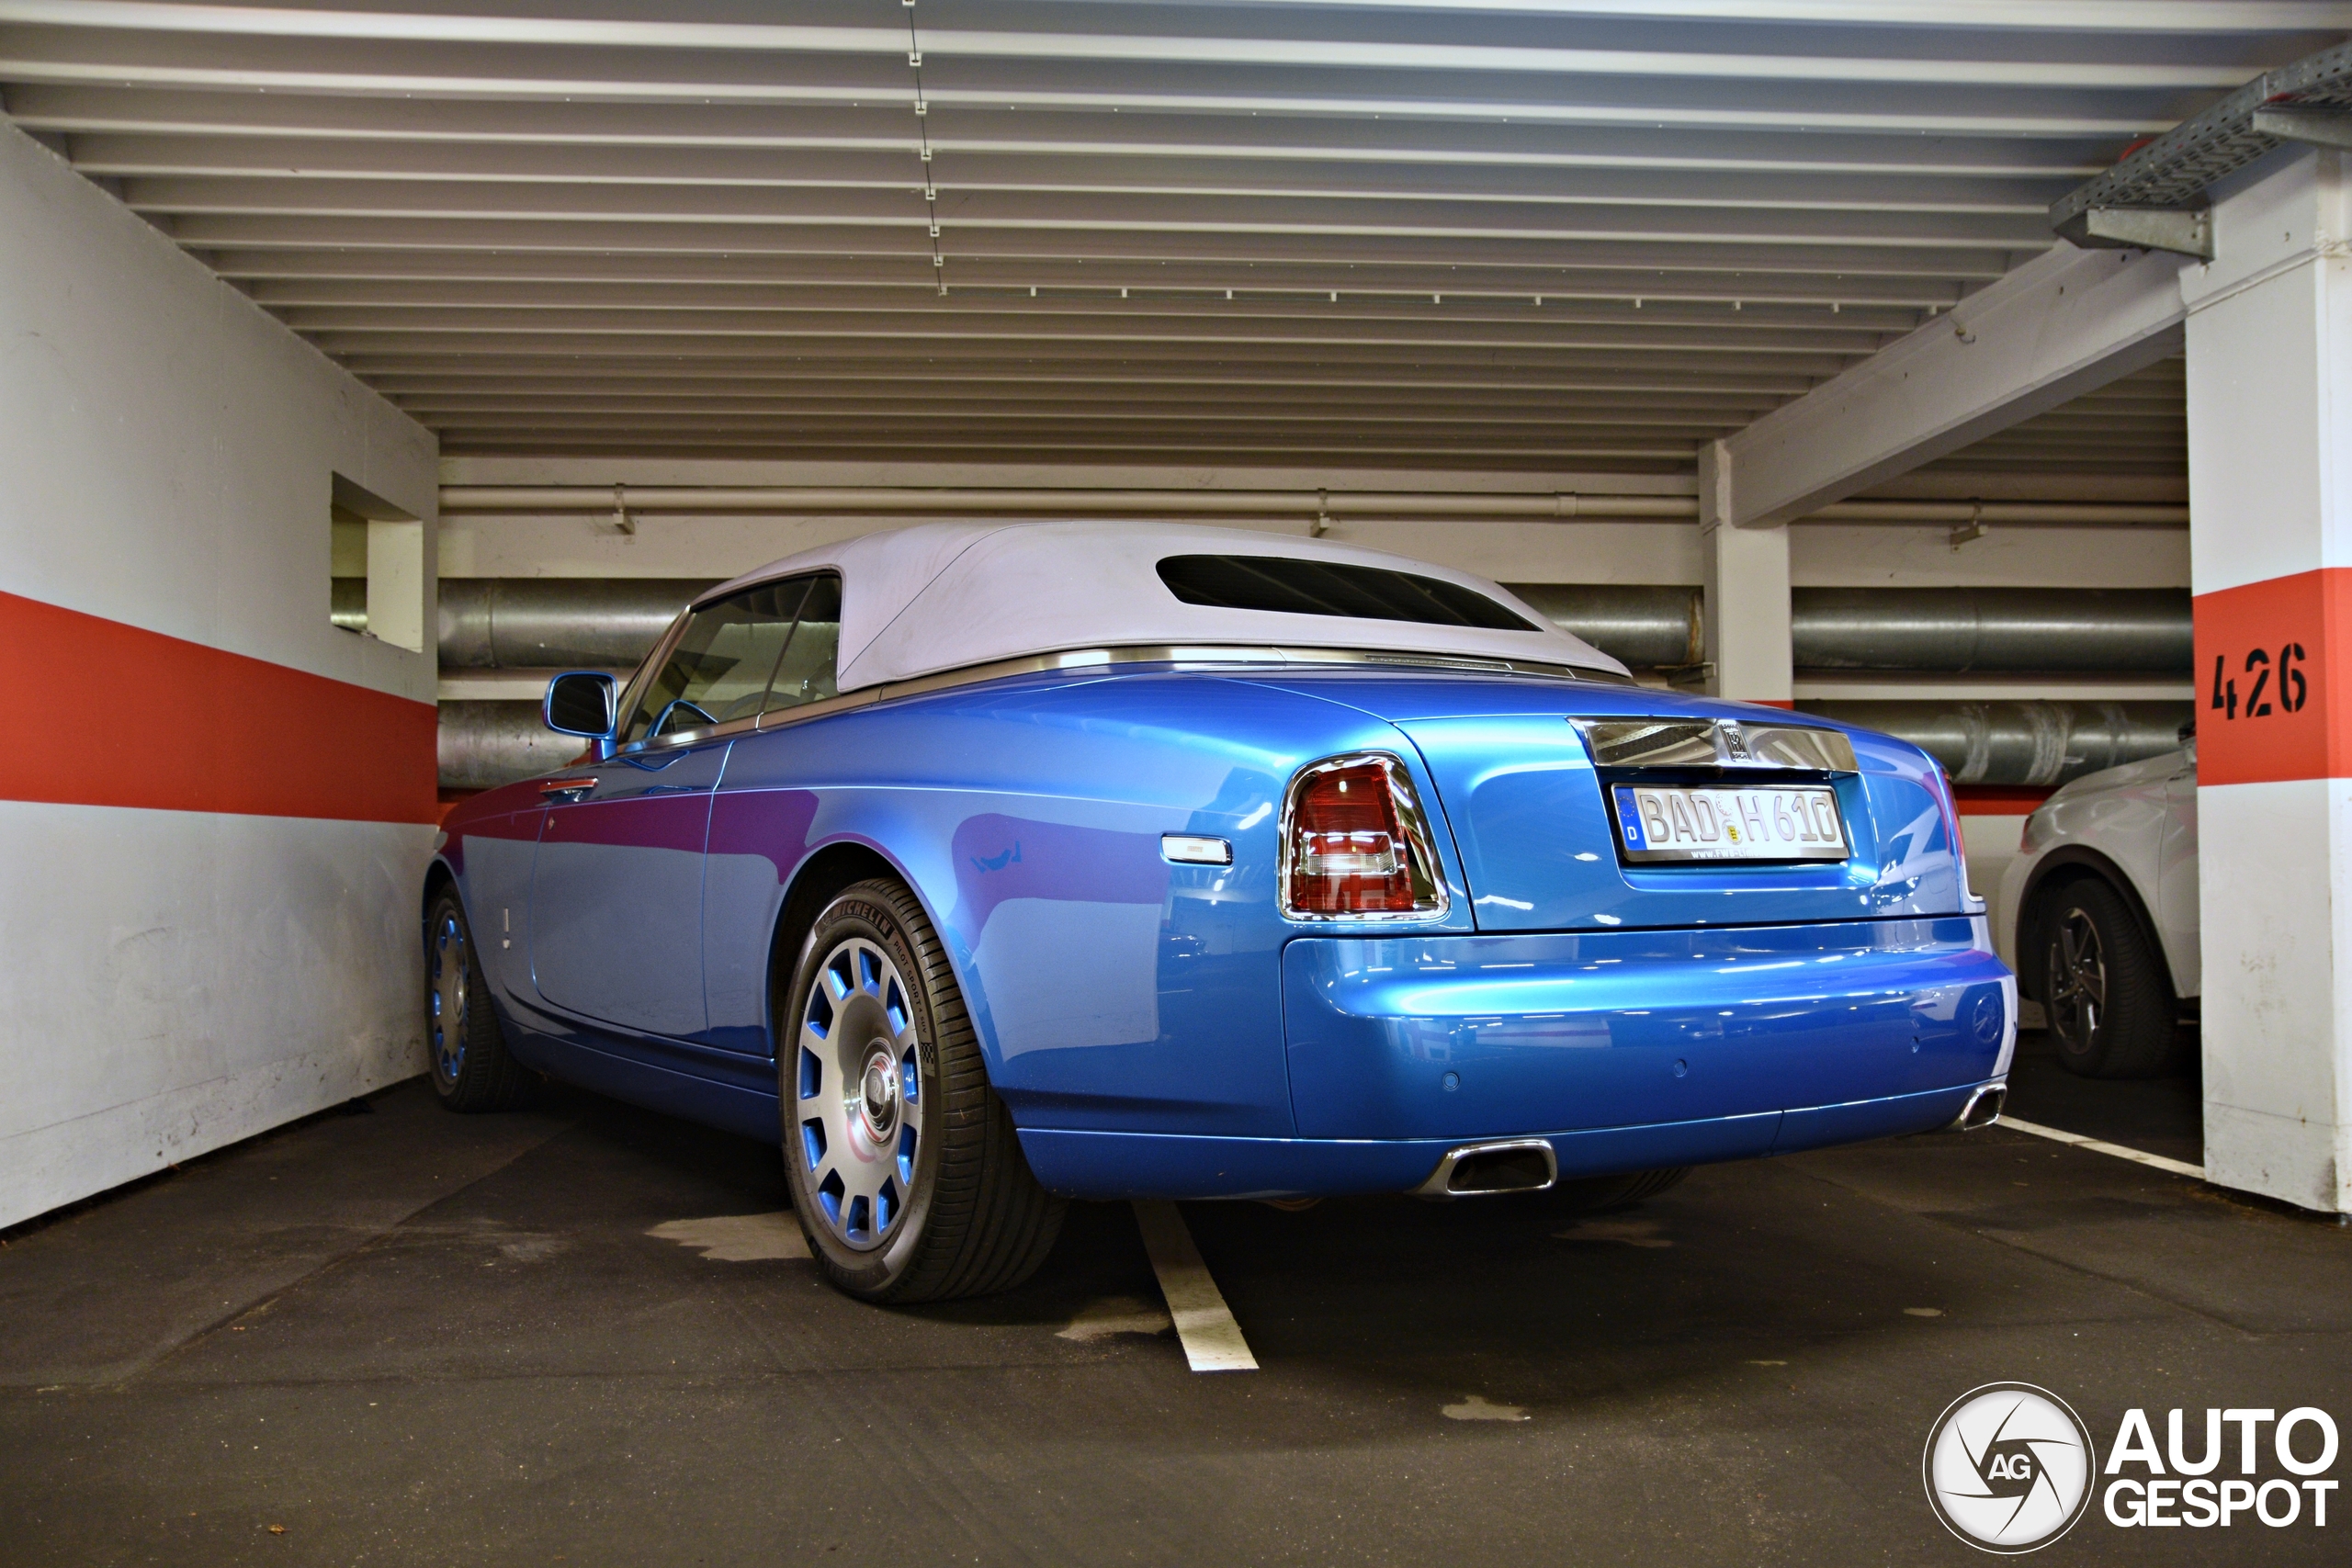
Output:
[[985, 866]]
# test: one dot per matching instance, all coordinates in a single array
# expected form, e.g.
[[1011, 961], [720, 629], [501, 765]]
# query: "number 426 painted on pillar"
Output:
[[2292, 690]]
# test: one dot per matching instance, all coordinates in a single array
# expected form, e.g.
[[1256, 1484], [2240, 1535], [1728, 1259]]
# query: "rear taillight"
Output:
[[1355, 844]]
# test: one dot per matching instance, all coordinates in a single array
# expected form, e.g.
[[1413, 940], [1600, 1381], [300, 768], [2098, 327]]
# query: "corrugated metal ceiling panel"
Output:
[[1487, 235]]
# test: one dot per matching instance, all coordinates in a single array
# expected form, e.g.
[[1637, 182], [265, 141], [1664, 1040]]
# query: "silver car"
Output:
[[2098, 914]]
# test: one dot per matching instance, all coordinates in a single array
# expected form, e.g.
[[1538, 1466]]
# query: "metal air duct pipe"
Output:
[[558, 622], [1641, 626], [1941, 631], [485, 744], [488, 743], [2022, 743], [1991, 630]]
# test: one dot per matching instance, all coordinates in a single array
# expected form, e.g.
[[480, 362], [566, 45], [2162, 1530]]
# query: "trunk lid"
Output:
[[1531, 808]]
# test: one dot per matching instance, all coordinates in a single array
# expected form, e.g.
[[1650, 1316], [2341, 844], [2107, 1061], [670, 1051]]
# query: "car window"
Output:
[[1332, 587], [806, 672], [718, 670]]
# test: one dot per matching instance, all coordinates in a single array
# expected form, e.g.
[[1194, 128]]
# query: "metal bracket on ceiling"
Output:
[[1972, 529], [2317, 127], [2155, 198], [2186, 232], [1322, 525], [622, 521]]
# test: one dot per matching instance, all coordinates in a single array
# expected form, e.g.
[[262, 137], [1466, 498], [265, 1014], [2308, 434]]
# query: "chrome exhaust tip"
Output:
[[1506, 1165], [1983, 1107]]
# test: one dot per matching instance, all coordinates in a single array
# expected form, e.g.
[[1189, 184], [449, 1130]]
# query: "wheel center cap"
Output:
[[880, 1095]]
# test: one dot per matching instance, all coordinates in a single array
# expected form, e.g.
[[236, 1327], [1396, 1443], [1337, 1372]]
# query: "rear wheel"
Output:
[[904, 1166], [1603, 1194], [469, 1063], [2103, 992]]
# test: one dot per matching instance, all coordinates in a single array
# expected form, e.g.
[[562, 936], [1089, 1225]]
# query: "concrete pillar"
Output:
[[2269, 345], [1746, 594]]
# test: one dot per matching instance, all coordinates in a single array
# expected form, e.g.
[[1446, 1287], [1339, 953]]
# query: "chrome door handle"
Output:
[[565, 791]]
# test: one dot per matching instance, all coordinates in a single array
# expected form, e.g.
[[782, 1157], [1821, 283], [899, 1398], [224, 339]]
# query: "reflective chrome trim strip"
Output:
[[1103, 658], [1716, 743], [1083, 658]]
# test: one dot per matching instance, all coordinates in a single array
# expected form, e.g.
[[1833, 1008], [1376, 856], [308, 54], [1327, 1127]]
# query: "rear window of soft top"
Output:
[[1332, 587]]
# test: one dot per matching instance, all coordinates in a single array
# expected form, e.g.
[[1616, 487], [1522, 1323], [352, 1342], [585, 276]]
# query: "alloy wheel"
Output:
[[2077, 989], [447, 1003], [859, 1086]]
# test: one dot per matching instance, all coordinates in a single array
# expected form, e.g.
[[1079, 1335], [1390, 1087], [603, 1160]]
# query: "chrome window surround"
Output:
[[1080, 659], [1716, 743], [1422, 848]]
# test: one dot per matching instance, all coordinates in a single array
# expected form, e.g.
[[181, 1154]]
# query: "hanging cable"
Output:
[[922, 143]]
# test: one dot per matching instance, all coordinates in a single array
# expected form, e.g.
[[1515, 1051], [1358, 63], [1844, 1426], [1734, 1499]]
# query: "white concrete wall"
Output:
[[178, 980]]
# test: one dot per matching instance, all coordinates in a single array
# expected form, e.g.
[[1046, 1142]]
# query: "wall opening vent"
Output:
[[376, 584]]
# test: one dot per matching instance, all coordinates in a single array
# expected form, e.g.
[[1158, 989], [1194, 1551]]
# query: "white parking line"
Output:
[[1213, 1342], [2179, 1167]]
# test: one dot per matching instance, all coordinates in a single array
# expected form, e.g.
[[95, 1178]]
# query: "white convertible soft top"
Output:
[[950, 595]]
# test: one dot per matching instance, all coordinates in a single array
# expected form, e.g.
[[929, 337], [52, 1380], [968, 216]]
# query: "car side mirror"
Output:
[[580, 702]]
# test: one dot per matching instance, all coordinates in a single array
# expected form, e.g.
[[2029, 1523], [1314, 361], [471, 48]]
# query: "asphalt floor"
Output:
[[396, 1335]]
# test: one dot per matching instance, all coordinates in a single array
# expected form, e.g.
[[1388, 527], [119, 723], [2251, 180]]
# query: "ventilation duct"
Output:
[[548, 623]]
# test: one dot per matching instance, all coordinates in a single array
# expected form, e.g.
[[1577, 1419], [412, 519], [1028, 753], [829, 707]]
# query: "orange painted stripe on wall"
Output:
[[2001, 800], [113, 714], [2265, 708]]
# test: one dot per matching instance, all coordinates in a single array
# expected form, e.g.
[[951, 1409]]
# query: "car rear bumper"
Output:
[[1625, 1050], [1488, 1036], [1148, 1164]]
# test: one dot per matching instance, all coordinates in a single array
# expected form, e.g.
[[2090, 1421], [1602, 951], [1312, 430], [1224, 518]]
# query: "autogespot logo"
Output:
[[2010, 1467]]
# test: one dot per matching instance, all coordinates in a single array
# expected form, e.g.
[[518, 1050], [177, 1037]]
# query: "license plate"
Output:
[[1777, 822]]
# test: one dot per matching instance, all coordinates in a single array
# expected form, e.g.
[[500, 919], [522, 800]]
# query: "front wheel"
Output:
[[904, 1166], [466, 1056]]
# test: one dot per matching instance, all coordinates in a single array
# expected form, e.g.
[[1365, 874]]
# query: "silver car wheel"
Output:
[[860, 1094], [2076, 986], [446, 1001]]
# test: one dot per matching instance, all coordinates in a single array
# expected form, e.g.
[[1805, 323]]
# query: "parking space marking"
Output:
[[1213, 1342], [2177, 1167]]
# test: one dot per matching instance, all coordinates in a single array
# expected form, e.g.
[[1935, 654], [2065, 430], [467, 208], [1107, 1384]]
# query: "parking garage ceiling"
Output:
[[1500, 235]]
